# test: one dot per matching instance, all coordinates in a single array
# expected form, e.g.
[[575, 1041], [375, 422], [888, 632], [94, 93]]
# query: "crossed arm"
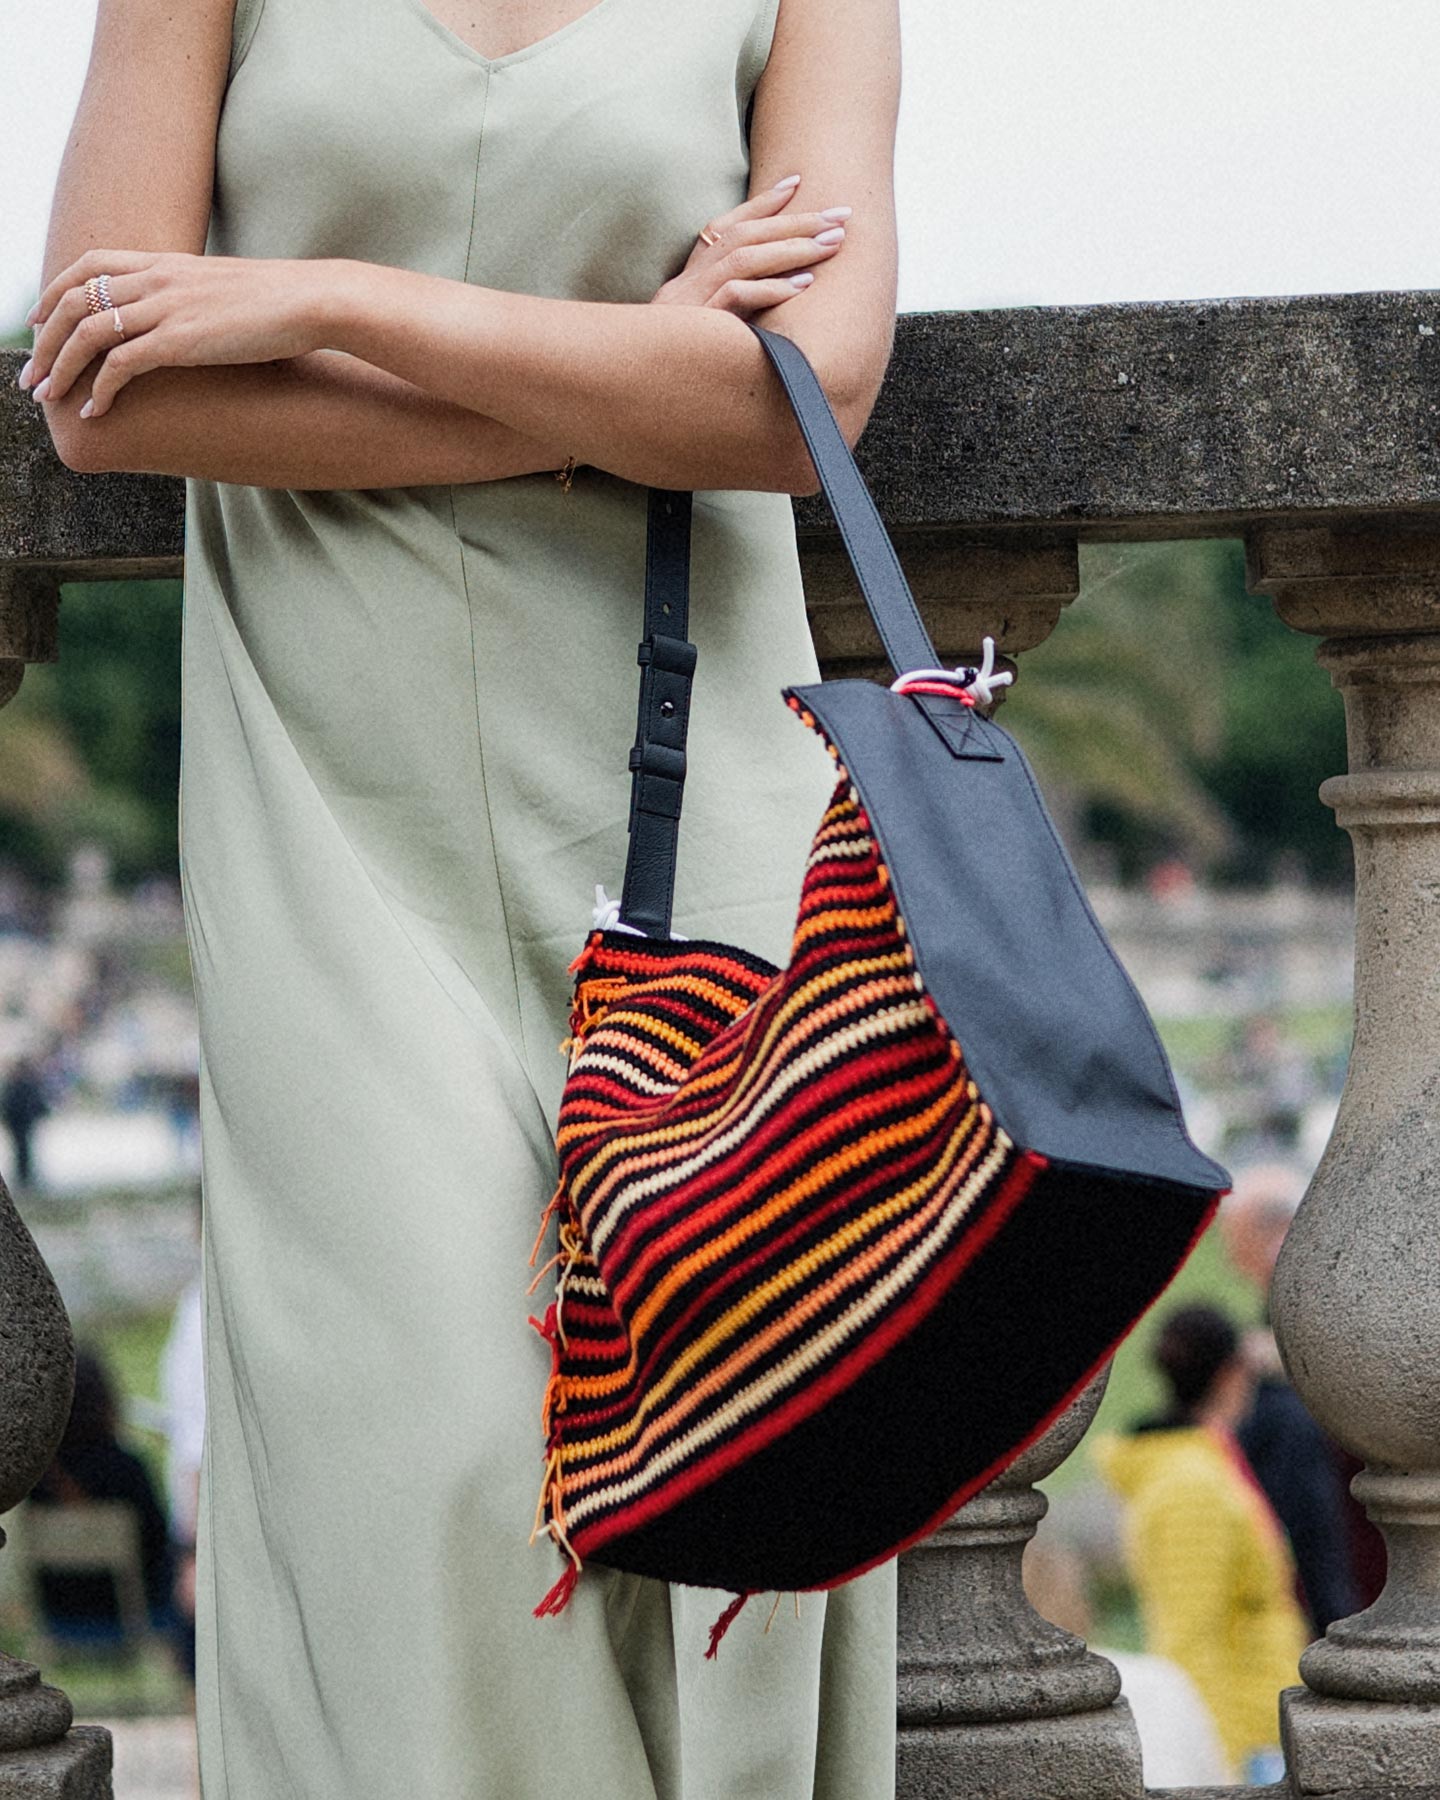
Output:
[[386, 377]]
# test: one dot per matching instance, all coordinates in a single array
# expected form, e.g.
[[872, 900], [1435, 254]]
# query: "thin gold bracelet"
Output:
[[566, 475]]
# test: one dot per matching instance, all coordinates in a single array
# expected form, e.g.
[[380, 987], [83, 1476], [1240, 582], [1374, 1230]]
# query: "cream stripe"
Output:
[[885, 1227], [601, 1224], [806, 1357], [661, 1146]]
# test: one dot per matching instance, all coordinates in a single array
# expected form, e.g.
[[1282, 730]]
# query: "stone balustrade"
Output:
[[1309, 426]]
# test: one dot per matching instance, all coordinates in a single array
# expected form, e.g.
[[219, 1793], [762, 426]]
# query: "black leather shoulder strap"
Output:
[[887, 594], [657, 760], [667, 657]]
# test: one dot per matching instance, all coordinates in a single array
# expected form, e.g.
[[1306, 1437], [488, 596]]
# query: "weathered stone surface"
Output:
[[1356, 1296], [1280, 1791], [1361, 1750], [76, 1768], [974, 1653], [968, 586], [102, 526], [1143, 418], [31, 1712], [1154, 419], [29, 613], [1037, 1759], [37, 1359]]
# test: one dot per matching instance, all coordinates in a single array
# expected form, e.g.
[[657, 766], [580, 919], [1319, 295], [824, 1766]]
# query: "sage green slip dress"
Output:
[[406, 717]]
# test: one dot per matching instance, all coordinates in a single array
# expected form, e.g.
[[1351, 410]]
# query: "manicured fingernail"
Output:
[[23, 378], [832, 236], [789, 181], [42, 390], [803, 279], [837, 212], [87, 409], [33, 314]]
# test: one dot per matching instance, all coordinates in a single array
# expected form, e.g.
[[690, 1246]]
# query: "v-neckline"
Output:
[[560, 33]]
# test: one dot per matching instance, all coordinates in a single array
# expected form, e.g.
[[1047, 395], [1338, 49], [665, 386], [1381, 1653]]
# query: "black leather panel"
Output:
[[1056, 1036]]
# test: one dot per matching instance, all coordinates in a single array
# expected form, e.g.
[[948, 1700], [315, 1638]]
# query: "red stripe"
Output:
[[922, 1300], [696, 1214], [732, 1276]]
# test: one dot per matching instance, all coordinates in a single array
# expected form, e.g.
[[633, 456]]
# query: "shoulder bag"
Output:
[[838, 1240]]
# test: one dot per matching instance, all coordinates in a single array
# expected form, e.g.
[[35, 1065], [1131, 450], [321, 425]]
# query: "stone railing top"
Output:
[[1159, 419], [1143, 419]]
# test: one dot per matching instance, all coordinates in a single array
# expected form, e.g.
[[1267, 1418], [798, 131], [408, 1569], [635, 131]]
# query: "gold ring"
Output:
[[92, 296], [705, 237]]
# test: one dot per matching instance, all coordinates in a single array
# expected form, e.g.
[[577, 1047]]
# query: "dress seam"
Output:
[[474, 656], [245, 21], [474, 203], [485, 789]]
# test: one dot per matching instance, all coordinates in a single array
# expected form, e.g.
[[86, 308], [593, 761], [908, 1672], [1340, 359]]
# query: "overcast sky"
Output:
[[1050, 150]]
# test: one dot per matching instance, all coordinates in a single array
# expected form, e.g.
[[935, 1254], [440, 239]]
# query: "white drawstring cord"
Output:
[[606, 917], [981, 682]]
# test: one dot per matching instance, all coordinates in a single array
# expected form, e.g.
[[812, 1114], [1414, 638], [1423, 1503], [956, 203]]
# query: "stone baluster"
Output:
[[40, 1755], [29, 623], [1356, 1298], [995, 1703]]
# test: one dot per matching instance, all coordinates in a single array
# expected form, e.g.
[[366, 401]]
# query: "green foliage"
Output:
[[1284, 733], [1172, 714], [91, 745]]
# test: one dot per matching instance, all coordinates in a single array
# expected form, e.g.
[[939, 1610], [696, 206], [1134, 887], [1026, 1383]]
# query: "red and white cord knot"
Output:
[[972, 686]]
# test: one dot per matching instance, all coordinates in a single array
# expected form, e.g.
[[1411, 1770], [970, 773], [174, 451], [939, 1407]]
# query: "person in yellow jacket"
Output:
[[1211, 1565]]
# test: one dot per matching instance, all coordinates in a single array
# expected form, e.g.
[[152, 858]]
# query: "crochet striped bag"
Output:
[[837, 1241]]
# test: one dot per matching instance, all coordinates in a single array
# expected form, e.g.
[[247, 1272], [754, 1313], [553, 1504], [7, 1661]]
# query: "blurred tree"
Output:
[[90, 746], [1172, 714]]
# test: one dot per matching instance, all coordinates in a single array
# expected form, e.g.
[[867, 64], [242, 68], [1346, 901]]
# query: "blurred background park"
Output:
[[1129, 151]]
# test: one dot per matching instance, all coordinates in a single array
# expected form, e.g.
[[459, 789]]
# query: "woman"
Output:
[[451, 251], [1210, 1563]]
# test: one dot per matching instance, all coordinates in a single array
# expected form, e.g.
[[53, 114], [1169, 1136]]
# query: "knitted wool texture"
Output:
[[765, 1177]]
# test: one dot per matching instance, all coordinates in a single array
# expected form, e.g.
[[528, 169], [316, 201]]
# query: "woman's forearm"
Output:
[[322, 420], [669, 396]]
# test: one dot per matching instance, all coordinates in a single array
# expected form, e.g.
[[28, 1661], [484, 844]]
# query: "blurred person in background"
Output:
[[1275, 1073], [91, 1463], [23, 1105], [1301, 1469], [1210, 1562]]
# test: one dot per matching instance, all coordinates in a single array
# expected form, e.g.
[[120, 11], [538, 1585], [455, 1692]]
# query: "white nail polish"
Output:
[[23, 378], [87, 409], [788, 182], [832, 236], [837, 212], [802, 280]]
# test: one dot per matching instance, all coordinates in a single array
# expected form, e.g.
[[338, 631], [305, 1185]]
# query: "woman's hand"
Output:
[[760, 254], [177, 310]]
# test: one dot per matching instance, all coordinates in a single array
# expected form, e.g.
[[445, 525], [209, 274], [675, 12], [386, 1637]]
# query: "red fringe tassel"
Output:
[[559, 1596], [723, 1624]]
